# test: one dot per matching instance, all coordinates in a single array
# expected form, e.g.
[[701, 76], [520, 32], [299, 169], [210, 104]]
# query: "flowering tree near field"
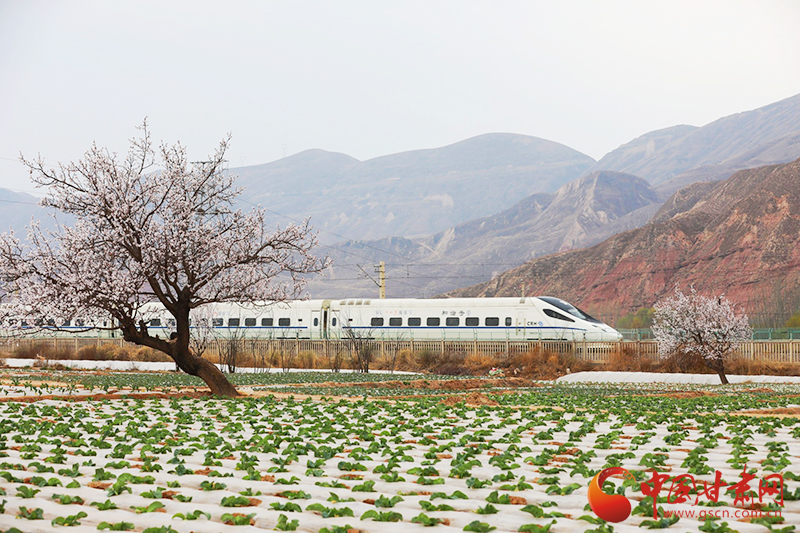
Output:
[[145, 235], [700, 326]]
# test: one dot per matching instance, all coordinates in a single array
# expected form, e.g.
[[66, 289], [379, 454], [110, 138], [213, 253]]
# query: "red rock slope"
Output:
[[740, 236]]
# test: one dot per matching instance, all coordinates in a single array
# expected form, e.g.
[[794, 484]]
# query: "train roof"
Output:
[[404, 302]]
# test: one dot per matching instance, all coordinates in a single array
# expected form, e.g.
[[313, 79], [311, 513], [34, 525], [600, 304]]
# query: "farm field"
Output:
[[379, 452]]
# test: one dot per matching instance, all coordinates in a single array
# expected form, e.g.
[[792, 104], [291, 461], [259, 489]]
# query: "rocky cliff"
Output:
[[740, 237]]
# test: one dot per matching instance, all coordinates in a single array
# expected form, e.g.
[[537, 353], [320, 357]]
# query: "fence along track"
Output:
[[778, 351]]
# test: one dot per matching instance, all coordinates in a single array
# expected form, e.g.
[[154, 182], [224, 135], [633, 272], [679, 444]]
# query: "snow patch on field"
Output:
[[665, 377]]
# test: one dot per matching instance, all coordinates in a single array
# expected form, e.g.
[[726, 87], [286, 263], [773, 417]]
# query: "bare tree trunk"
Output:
[[718, 366], [207, 371], [178, 349]]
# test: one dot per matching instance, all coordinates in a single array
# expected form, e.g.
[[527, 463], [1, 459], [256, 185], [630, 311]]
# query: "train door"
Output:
[[325, 319], [316, 328], [334, 325]]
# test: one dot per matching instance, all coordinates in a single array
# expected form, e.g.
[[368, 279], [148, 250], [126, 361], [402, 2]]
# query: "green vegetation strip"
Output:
[[173, 464]]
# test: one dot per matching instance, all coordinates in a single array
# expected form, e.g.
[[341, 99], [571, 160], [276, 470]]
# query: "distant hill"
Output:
[[582, 212], [740, 237], [412, 193], [17, 209], [674, 157]]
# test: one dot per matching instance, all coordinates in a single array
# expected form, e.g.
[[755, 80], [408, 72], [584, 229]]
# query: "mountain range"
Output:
[[583, 212], [740, 237], [580, 213], [674, 157], [411, 193], [450, 217]]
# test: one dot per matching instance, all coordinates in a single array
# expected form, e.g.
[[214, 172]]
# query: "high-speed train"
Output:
[[541, 318], [482, 319]]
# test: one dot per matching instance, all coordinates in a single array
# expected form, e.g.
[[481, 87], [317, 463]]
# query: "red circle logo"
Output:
[[609, 507]]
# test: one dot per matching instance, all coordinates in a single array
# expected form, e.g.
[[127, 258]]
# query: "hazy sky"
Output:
[[369, 78]]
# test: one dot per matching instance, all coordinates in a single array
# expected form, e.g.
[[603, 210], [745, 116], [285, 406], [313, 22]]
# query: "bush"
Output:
[[626, 359], [642, 318], [542, 364], [41, 350], [742, 366]]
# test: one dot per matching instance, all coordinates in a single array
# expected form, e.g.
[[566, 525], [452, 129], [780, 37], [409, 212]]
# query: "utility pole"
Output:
[[381, 269]]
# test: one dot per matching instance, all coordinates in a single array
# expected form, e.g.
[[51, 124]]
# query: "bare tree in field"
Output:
[[700, 326], [144, 235]]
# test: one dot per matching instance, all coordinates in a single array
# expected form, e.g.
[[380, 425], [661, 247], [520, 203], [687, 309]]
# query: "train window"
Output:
[[492, 321], [24, 323], [233, 322], [316, 321], [66, 324], [79, 322], [333, 321], [170, 322], [249, 322], [51, 322], [570, 309], [508, 321], [284, 322], [451, 321], [217, 322], [376, 321], [414, 321], [155, 323], [471, 321], [397, 321], [557, 315], [433, 321], [266, 322]]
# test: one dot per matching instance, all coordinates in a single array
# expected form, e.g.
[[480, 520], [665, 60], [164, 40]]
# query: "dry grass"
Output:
[[626, 360], [533, 365], [681, 363], [544, 365], [743, 366], [102, 352]]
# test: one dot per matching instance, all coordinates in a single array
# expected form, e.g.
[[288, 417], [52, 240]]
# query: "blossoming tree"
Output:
[[150, 227], [700, 326]]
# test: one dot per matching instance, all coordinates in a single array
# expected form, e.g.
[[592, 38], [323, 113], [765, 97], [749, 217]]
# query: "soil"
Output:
[[778, 411], [473, 398]]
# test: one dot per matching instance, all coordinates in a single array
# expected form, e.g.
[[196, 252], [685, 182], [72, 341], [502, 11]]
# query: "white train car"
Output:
[[542, 318], [482, 319]]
